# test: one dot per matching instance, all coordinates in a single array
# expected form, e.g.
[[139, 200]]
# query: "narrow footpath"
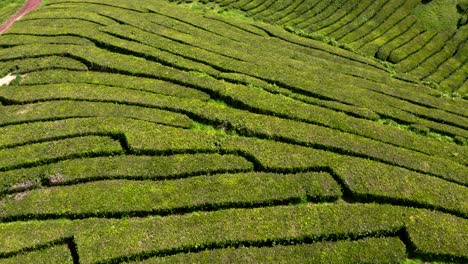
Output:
[[28, 7]]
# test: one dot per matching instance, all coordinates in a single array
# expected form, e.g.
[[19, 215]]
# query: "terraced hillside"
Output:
[[424, 40], [149, 132]]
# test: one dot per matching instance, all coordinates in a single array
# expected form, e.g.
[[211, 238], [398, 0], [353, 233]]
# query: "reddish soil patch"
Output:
[[28, 7]]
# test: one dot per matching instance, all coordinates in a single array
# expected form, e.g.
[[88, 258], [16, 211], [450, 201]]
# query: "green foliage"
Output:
[[371, 250], [440, 15]]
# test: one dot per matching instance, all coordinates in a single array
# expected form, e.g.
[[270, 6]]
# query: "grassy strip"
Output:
[[457, 80], [385, 89], [345, 33], [37, 154], [425, 53], [39, 64], [268, 155], [118, 80], [168, 197], [54, 254], [400, 27], [431, 65], [381, 22], [134, 236], [374, 181], [340, 11], [52, 15], [382, 26], [255, 99], [439, 236], [368, 250], [67, 109], [121, 167], [248, 123], [131, 238], [16, 40], [266, 152], [347, 17], [411, 47], [328, 94], [64, 22], [406, 35]]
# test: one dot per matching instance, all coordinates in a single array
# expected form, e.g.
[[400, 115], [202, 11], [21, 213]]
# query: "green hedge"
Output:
[[391, 13], [35, 154], [15, 40], [118, 80], [75, 109], [439, 236], [53, 254], [425, 53], [373, 181], [411, 47], [405, 36], [336, 29], [38, 64], [117, 238], [433, 64], [121, 167], [85, 15], [168, 197], [368, 250]]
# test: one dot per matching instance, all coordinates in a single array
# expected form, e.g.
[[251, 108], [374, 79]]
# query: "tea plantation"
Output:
[[235, 131]]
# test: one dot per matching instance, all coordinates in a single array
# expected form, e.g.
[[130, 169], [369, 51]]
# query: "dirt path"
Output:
[[29, 6]]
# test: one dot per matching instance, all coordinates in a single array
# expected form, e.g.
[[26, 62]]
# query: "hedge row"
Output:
[[401, 26], [438, 235], [65, 22], [366, 15], [15, 40], [343, 15], [373, 181], [451, 64], [382, 21], [297, 132], [411, 47], [383, 25], [425, 53], [67, 109], [38, 64], [129, 238], [367, 250], [457, 80], [117, 238], [253, 98], [249, 123], [52, 14], [405, 36], [35, 154], [269, 156], [168, 197], [340, 98], [431, 66], [121, 167], [458, 108], [54, 254], [116, 80]]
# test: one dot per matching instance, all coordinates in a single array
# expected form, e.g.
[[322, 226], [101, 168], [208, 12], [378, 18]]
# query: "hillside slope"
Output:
[[145, 131], [424, 40]]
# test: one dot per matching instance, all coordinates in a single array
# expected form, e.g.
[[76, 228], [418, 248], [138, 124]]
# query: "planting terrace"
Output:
[[250, 131]]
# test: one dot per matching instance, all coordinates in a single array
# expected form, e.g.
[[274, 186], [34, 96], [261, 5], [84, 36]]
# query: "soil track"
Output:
[[28, 7]]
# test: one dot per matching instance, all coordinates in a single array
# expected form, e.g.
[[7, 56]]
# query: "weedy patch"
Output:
[[57, 179]]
